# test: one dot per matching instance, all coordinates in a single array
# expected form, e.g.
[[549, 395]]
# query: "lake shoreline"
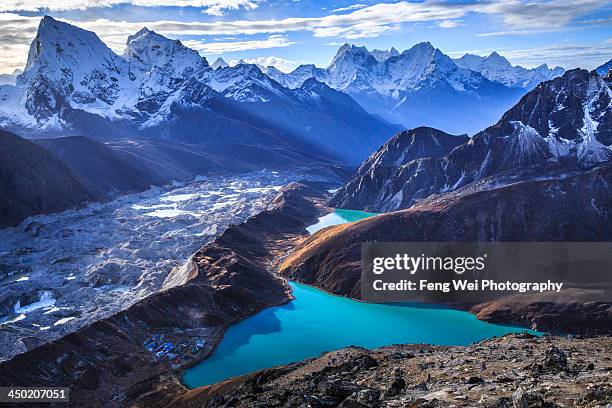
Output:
[[534, 371]]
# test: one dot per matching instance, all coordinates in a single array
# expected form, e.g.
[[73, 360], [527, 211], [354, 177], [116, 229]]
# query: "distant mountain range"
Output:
[[74, 84], [562, 127], [423, 86], [498, 69]]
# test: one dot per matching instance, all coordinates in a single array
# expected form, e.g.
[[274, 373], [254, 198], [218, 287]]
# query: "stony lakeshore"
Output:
[[513, 371]]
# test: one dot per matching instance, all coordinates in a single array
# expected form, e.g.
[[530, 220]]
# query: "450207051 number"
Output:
[[34, 394]]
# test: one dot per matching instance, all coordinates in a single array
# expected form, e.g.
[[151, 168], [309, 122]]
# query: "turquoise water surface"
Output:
[[338, 216], [316, 322]]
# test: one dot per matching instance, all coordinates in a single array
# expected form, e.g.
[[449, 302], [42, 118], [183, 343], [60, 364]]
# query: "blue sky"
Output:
[[286, 33]]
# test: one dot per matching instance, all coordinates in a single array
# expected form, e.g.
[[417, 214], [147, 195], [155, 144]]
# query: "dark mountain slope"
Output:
[[563, 125], [101, 170], [372, 178], [97, 171], [33, 180]]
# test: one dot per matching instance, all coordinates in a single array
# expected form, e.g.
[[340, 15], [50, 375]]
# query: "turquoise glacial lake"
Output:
[[338, 216], [315, 322]]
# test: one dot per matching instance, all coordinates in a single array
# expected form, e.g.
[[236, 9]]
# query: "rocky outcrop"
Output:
[[511, 371], [562, 126], [113, 362], [574, 208]]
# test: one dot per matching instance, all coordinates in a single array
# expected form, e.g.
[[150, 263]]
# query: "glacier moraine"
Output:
[[61, 271]]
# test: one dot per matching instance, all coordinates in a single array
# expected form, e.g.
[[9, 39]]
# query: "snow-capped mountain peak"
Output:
[[341, 51], [498, 69], [59, 46], [67, 66], [147, 50], [495, 59], [382, 55], [219, 63]]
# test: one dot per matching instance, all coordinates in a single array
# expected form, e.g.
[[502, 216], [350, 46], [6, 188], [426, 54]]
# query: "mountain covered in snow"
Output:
[[604, 68], [498, 69], [561, 127], [219, 63], [74, 84], [419, 87]]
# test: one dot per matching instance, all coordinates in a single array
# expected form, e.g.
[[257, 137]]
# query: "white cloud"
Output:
[[567, 55], [277, 62], [212, 7], [216, 48], [518, 17], [16, 33], [348, 8], [542, 14], [448, 24]]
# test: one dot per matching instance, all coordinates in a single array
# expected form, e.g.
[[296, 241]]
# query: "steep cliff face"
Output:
[[33, 180], [572, 208], [561, 126]]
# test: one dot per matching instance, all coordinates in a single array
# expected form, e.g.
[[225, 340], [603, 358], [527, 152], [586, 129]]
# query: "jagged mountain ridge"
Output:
[[498, 69], [419, 87], [74, 84], [561, 127], [376, 176]]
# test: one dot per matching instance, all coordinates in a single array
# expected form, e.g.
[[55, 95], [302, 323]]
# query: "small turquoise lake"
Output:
[[315, 322], [338, 216]]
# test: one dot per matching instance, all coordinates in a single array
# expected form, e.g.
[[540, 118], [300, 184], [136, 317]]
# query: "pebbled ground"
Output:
[[512, 371]]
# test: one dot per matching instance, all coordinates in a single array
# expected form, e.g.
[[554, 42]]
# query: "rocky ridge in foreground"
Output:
[[513, 371]]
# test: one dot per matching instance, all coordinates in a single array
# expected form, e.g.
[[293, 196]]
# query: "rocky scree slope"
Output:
[[562, 126], [508, 372]]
